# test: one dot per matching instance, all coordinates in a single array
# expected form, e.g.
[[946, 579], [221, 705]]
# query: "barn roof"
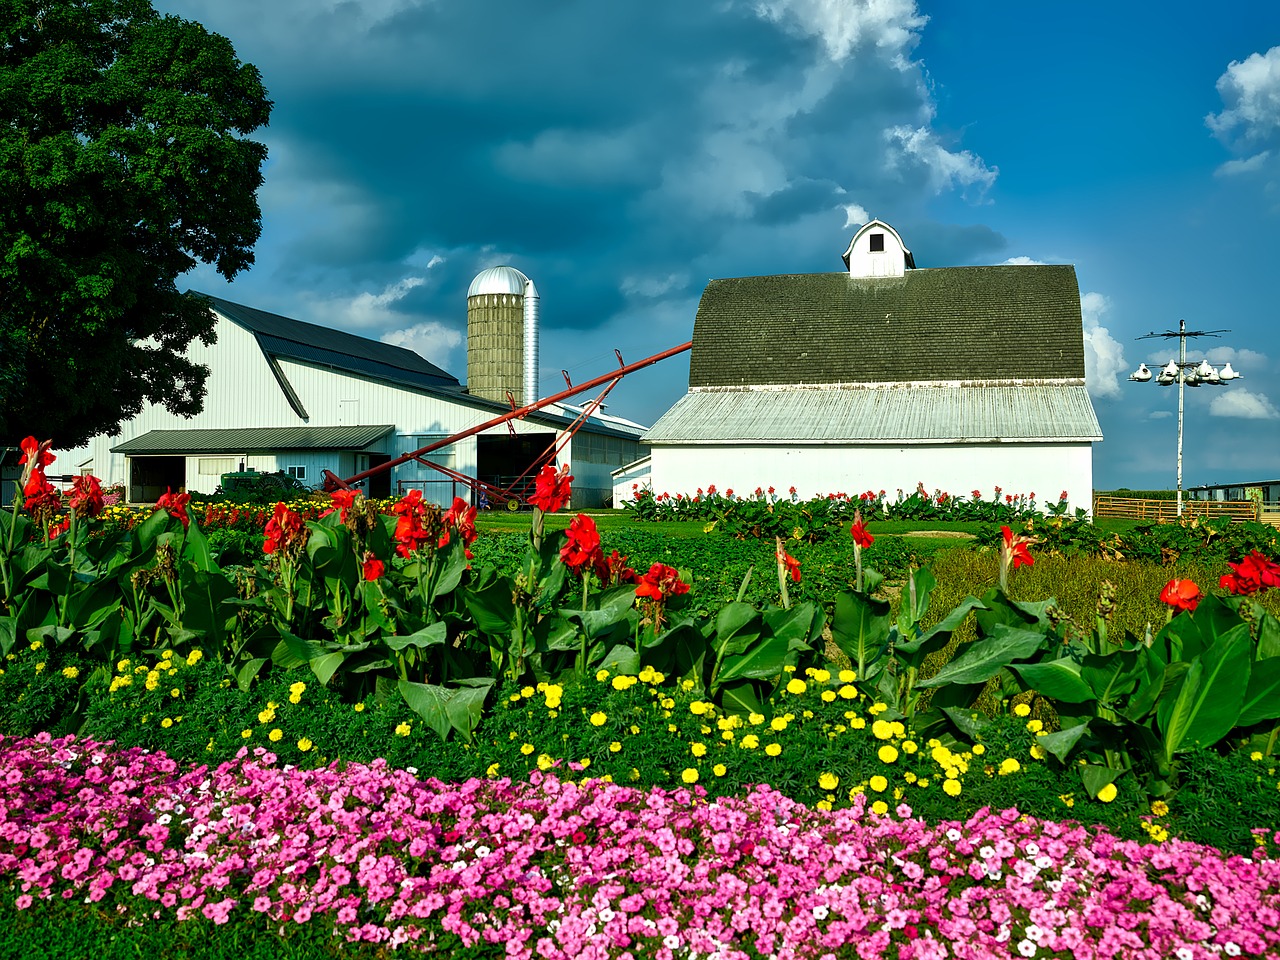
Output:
[[890, 414], [954, 323]]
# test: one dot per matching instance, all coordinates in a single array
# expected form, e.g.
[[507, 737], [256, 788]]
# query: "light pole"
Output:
[[1185, 374]]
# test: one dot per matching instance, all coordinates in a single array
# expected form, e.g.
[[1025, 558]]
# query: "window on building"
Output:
[[298, 472], [877, 242], [216, 466]]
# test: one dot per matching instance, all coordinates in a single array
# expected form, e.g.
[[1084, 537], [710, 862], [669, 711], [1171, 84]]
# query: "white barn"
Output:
[[288, 396], [882, 377]]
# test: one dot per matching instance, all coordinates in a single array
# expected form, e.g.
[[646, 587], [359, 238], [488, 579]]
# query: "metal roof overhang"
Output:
[[935, 413], [251, 440]]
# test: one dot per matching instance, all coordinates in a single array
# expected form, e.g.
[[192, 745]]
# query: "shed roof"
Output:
[[903, 413], [954, 323], [323, 346], [251, 440]]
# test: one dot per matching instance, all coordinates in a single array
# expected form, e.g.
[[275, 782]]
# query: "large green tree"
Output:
[[124, 162]]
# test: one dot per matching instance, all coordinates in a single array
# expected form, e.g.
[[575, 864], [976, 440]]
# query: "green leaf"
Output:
[[451, 571], [491, 606], [466, 704], [196, 549], [860, 628], [984, 658], [326, 665], [1112, 675], [924, 582], [429, 701], [763, 660], [968, 721], [740, 698], [292, 651], [8, 634], [936, 637], [1268, 633], [1096, 777], [621, 659], [1204, 707], [1061, 742], [1262, 696], [247, 672], [1055, 679], [737, 627], [428, 636], [147, 532]]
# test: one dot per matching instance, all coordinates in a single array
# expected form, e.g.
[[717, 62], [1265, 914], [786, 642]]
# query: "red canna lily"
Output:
[[552, 490], [661, 582], [859, 532], [462, 516], [372, 568], [410, 534], [176, 504], [582, 550], [342, 501], [613, 569], [284, 529], [86, 496], [1180, 594], [791, 564], [1252, 573], [1015, 548]]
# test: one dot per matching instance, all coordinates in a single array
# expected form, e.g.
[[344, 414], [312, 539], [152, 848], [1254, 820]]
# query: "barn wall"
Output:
[[1043, 468]]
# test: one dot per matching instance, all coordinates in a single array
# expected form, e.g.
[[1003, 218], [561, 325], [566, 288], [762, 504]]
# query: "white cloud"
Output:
[[429, 339], [1250, 88], [845, 25], [1235, 168], [652, 286], [1030, 262], [1242, 360], [365, 310], [1160, 415], [945, 168], [1240, 403], [855, 215], [1103, 355]]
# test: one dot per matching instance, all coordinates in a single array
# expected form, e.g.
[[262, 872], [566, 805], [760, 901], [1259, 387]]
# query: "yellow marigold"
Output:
[[697, 708], [667, 703], [492, 771], [879, 808], [796, 686], [847, 676], [599, 718], [359, 707], [615, 747], [719, 769], [622, 682], [40, 667], [1107, 793], [304, 744], [877, 708], [887, 754], [37, 644], [878, 783], [246, 733], [778, 723], [882, 730], [828, 696], [689, 775], [857, 723], [1159, 808], [773, 749], [166, 723], [1035, 726], [553, 704], [1067, 799], [1022, 710], [175, 692], [295, 698], [526, 749], [71, 672], [545, 762], [941, 755], [951, 788], [1256, 755], [645, 675], [602, 675], [848, 692], [585, 762], [266, 716], [698, 749], [898, 729], [909, 777], [194, 657], [1008, 766], [1038, 752], [634, 729], [527, 692], [750, 741], [979, 749], [755, 719], [909, 746], [823, 804], [822, 676], [275, 735], [828, 781], [298, 687], [403, 730]]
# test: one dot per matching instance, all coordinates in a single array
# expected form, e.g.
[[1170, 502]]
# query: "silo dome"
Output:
[[499, 280]]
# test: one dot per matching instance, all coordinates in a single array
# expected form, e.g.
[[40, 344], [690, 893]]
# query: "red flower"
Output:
[[613, 569], [176, 504], [791, 563], [1180, 594], [41, 497], [86, 496], [283, 529], [793, 491], [372, 567], [36, 453], [1062, 497], [661, 582], [859, 532], [1251, 574], [59, 528], [1015, 547], [582, 550], [343, 501], [552, 489], [462, 516], [977, 494], [410, 534]]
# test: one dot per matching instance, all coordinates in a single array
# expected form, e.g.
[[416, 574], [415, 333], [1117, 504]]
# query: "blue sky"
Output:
[[622, 154]]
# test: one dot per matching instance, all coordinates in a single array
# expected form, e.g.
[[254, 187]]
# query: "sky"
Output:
[[622, 154]]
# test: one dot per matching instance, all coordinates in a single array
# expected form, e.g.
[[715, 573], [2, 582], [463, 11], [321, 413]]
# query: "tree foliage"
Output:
[[124, 162]]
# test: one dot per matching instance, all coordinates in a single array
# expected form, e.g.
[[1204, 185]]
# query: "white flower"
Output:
[[1033, 933], [986, 853], [1230, 949], [1032, 848], [1044, 863], [1026, 948], [953, 834], [821, 911], [605, 915], [671, 942], [1183, 953], [163, 819], [1003, 934], [482, 851]]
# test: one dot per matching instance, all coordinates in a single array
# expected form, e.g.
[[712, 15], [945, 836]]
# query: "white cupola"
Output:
[[876, 250]]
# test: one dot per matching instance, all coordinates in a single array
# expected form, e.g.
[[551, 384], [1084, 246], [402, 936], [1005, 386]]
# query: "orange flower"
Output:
[[1180, 594]]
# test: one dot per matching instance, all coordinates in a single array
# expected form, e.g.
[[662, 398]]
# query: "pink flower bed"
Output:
[[552, 868]]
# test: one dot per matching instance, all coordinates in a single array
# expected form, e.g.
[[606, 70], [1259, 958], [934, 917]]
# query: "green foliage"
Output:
[[124, 163]]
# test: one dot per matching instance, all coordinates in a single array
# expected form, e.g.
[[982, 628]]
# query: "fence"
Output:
[[1166, 511]]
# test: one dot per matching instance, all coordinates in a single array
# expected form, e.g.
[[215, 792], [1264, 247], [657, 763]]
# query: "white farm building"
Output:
[[881, 377], [293, 397]]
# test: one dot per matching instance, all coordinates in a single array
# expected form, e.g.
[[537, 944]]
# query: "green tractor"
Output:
[[255, 485]]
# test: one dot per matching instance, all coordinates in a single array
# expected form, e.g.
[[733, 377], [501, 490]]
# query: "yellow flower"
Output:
[[295, 698], [359, 707], [585, 761], [779, 723], [526, 749], [979, 749], [796, 686], [846, 676], [755, 719], [1038, 752], [1159, 808], [719, 769], [403, 730], [297, 688], [909, 746], [773, 749], [266, 716], [166, 723], [275, 735], [1067, 799], [37, 644], [634, 729], [1009, 766], [880, 808], [1107, 793], [848, 692], [1256, 755], [492, 771], [828, 781], [553, 704], [194, 657], [672, 728], [857, 723], [1022, 710], [602, 675], [689, 775], [622, 682], [951, 788], [175, 692], [545, 762], [1035, 726], [877, 708], [598, 719], [304, 744], [909, 777], [887, 754], [878, 783], [697, 708], [828, 696], [615, 747], [698, 749], [882, 730], [70, 672], [527, 692], [750, 741], [40, 667]]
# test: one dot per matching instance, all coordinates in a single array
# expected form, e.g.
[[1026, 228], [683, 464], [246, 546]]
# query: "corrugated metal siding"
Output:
[[252, 440], [903, 413]]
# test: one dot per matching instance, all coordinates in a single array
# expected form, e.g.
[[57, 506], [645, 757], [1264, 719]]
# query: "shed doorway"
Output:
[[500, 460], [150, 477]]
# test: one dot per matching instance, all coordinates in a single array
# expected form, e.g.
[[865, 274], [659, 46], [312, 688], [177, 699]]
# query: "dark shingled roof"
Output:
[[953, 323], [323, 346]]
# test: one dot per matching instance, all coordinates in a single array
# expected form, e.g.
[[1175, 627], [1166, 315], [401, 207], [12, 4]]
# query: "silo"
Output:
[[502, 335]]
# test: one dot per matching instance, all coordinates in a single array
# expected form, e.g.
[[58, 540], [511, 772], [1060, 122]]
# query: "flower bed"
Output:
[[592, 869]]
